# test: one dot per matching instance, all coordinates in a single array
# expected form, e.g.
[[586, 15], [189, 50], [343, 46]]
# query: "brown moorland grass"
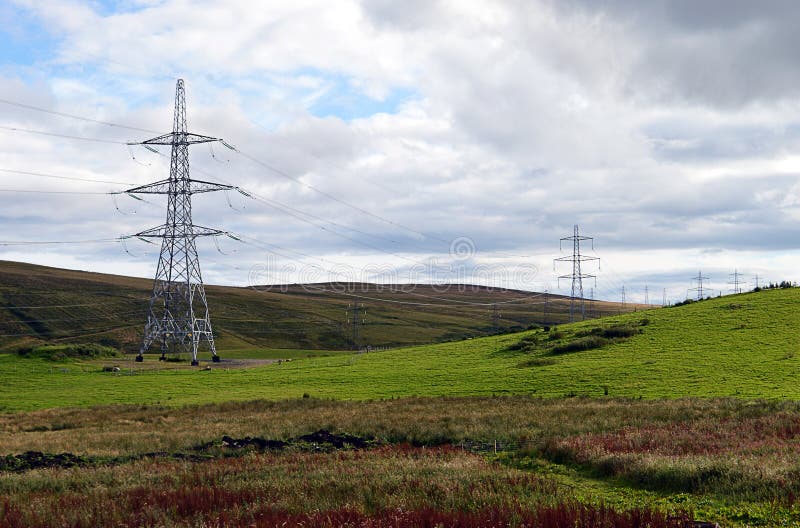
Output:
[[730, 451], [727, 447], [746, 457], [390, 486], [518, 420]]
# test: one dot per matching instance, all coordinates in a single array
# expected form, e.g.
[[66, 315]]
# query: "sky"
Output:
[[417, 141]]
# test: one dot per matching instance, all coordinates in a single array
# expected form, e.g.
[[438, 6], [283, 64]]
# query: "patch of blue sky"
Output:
[[321, 93], [23, 39], [118, 7], [342, 100]]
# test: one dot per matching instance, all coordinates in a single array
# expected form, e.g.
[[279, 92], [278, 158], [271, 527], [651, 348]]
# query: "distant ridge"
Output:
[[40, 303]]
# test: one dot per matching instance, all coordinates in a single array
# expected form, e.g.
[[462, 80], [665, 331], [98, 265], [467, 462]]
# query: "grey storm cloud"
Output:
[[722, 53]]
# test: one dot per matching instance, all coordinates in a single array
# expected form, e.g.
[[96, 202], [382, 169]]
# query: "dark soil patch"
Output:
[[36, 460], [337, 441], [254, 441], [321, 440]]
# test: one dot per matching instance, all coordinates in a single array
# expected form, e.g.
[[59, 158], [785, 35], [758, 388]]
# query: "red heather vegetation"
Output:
[[384, 487], [569, 515], [774, 434], [751, 458]]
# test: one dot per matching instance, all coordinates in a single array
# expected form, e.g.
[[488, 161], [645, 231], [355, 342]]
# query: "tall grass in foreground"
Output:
[[745, 457], [725, 447], [391, 486], [520, 420]]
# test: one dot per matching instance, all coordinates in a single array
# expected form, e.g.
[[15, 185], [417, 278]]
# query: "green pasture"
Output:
[[744, 346]]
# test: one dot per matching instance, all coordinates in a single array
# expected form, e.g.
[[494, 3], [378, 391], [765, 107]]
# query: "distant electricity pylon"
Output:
[[546, 306], [496, 316], [735, 282], [356, 317], [756, 278], [699, 289], [177, 316], [622, 298], [576, 276], [646, 295]]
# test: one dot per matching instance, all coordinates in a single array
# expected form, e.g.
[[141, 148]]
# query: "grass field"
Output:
[[743, 346], [650, 417], [502, 458], [395, 486]]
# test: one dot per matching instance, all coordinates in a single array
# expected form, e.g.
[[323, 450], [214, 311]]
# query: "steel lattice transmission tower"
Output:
[[736, 281], [356, 318], [699, 289], [177, 316], [577, 275]]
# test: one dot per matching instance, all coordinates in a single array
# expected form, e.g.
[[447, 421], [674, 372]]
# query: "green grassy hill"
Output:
[[47, 304], [744, 346]]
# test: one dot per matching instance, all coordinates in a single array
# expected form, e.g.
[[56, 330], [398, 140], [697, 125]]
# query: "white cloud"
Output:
[[660, 130]]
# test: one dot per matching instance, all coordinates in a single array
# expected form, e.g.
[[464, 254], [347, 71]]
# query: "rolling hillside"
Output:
[[47, 304], [744, 346]]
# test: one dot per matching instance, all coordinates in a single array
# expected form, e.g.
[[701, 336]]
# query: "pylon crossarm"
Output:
[[159, 187], [200, 186], [164, 231], [194, 187], [180, 138]]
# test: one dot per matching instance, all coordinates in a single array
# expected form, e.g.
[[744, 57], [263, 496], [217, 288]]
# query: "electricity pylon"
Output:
[[577, 276], [699, 289], [546, 315], [496, 316], [177, 316], [356, 317], [736, 282]]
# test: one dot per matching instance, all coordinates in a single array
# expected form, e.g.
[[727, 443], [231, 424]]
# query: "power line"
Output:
[[71, 178], [81, 333], [73, 116], [394, 301], [243, 154], [32, 191], [65, 136], [336, 199], [44, 306], [53, 242], [289, 210], [62, 319]]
